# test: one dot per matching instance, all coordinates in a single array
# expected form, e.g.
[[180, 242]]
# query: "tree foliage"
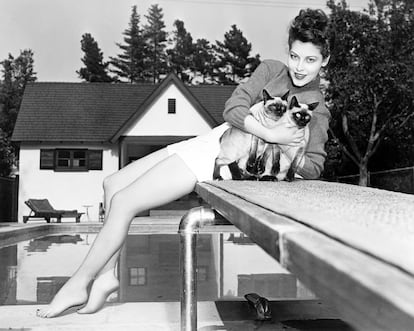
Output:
[[204, 61], [95, 69], [156, 41], [148, 55], [234, 61], [182, 54], [16, 73], [130, 64], [7, 154], [370, 78]]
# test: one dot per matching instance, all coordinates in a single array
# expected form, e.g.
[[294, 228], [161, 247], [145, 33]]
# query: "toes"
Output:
[[41, 313], [45, 313], [84, 311]]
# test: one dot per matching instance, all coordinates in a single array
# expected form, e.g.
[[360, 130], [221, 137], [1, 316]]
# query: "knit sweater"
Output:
[[274, 77]]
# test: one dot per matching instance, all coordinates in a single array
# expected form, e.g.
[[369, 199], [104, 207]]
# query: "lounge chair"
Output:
[[41, 208]]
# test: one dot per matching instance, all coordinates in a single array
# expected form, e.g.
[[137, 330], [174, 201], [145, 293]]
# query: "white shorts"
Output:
[[200, 153]]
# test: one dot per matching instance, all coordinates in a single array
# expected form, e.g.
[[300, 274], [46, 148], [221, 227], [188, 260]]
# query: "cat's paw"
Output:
[[268, 178], [251, 167], [249, 177], [290, 178]]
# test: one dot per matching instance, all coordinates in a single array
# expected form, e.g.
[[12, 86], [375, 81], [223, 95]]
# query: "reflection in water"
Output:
[[229, 266], [155, 259], [42, 244], [8, 272]]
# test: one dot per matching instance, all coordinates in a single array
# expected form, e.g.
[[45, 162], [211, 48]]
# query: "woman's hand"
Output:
[[281, 134]]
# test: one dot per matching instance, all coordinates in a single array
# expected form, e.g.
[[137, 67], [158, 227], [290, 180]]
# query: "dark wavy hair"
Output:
[[311, 25]]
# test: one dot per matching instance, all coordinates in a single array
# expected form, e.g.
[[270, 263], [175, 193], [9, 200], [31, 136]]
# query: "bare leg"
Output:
[[106, 281], [163, 183]]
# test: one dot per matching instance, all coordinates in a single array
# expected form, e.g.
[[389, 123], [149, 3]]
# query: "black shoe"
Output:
[[260, 306]]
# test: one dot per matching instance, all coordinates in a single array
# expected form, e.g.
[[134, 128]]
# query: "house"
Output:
[[73, 135]]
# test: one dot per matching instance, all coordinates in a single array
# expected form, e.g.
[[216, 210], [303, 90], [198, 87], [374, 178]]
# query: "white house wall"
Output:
[[64, 190], [157, 122]]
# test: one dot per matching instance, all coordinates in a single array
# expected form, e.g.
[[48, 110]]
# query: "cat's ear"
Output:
[[266, 96], [293, 103], [285, 96], [312, 106]]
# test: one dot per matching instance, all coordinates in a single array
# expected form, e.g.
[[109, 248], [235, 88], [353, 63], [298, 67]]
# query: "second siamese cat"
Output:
[[238, 149], [250, 157]]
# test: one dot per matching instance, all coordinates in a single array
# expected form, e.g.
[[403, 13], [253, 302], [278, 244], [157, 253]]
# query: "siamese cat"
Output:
[[238, 149], [285, 159], [265, 161]]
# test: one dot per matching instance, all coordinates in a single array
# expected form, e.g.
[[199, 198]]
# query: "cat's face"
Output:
[[301, 113], [274, 107]]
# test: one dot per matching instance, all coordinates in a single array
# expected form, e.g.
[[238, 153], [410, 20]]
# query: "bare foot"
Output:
[[70, 295], [102, 287]]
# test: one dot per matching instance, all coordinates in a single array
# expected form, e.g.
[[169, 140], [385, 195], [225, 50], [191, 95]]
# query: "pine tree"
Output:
[[131, 63], [156, 41], [204, 60], [95, 69], [235, 62], [181, 55]]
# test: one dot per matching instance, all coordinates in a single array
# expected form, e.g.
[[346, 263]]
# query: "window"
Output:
[[137, 276], [70, 159], [171, 106], [202, 273]]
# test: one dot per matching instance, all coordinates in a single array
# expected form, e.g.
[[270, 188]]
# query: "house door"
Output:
[[134, 150]]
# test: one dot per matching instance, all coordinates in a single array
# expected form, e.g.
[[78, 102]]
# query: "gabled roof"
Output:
[[98, 112], [170, 79]]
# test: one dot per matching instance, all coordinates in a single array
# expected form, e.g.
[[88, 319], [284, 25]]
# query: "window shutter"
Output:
[[95, 159], [47, 159]]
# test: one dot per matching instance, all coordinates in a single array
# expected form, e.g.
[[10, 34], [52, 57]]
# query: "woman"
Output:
[[172, 172]]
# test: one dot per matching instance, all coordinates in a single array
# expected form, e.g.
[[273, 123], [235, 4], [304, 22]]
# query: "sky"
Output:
[[53, 29]]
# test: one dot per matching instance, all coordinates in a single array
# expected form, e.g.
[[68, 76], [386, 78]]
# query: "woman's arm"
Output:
[[246, 94], [313, 161], [237, 113], [278, 134], [237, 108]]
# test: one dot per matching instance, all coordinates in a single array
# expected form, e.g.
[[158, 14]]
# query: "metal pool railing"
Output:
[[190, 224]]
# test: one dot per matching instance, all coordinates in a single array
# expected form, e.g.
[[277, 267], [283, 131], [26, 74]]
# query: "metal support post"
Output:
[[188, 230]]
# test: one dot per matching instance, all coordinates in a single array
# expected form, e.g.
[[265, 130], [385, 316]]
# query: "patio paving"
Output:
[[154, 316]]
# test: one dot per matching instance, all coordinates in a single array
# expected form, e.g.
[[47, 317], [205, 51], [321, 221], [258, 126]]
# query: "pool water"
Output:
[[229, 266]]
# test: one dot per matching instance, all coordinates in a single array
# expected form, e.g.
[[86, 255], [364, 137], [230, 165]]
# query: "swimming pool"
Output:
[[229, 266]]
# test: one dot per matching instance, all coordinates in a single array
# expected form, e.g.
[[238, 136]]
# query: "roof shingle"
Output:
[[94, 112]]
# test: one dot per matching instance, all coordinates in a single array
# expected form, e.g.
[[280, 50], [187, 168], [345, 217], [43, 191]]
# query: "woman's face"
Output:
[[304, 62]]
